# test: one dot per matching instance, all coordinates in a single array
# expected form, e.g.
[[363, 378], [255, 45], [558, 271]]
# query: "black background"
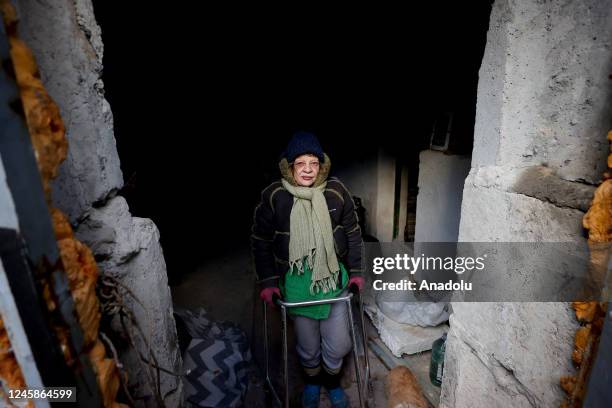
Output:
[[205, 99]]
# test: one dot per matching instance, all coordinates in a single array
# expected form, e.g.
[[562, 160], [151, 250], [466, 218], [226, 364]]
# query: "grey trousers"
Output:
[[328, 339]]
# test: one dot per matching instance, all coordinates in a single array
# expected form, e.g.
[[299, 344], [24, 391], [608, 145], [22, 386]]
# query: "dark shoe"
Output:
[[310, 396], [336, 394], [338, 398]]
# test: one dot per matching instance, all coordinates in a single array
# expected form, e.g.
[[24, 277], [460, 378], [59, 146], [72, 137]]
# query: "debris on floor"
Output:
[[403, 338]]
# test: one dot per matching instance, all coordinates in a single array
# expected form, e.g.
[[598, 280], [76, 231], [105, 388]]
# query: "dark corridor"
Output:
[[205, 100]]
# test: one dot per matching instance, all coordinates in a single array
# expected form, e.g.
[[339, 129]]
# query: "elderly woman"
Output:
[[307, 245]]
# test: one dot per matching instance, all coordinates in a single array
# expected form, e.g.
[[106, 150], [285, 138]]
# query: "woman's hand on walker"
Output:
[[357, 281], [267, 295]]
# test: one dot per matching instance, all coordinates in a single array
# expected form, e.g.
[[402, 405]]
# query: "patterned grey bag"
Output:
[[216, 360]]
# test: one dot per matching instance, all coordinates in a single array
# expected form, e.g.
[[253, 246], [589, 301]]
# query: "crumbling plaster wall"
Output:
[[67, 45], [543, 111]]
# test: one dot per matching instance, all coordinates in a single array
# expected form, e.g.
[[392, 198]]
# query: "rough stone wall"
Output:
[[128, 250], [67, 45], [543, 90], [544, 107]]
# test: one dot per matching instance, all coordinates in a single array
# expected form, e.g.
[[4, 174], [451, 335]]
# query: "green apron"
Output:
[[296, 288]]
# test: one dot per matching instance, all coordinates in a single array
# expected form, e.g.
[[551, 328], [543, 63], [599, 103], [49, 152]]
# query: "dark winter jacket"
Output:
[[270, 232]]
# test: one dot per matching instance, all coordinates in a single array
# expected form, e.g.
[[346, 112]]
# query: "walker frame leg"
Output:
[[285, 369], [267, 356], [355, 354], [363, 387], [367, 385]]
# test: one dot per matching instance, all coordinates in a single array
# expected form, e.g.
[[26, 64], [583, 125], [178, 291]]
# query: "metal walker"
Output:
[[363, 387]]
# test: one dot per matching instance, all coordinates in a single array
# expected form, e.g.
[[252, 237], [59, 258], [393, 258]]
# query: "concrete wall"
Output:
[[543, 112], [373, 179], [441, 179], [403, 205], [67, 45], [385, 197], [358, 178]]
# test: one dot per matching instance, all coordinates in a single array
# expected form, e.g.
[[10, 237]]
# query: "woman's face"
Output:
[[305, 169]]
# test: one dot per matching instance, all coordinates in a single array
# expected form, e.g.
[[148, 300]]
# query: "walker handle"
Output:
[[275, 298]]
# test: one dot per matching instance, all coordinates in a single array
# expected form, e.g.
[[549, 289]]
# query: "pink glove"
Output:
[[357, 280], [267, 293]]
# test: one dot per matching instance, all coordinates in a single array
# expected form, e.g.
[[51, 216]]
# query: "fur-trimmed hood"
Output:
[[271, 229], [287, 174]]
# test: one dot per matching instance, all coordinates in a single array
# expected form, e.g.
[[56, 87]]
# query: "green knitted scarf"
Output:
[[311, 237]]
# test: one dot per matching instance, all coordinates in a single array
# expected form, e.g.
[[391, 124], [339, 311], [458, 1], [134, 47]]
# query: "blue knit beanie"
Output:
[[303, 143]]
